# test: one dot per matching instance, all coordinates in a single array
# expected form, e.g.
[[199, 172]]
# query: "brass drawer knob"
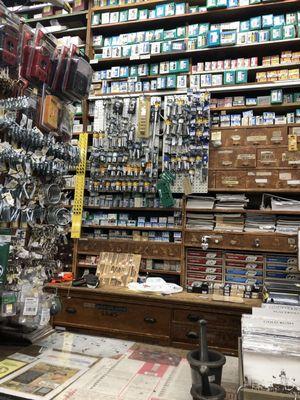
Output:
[[193, 317], [71, 310], [150, 320], [192, 335]]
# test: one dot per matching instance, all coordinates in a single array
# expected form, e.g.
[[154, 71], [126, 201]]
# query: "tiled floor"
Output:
[[124, 370]]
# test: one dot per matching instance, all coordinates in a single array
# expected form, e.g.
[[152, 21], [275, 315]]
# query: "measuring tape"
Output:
[[79, 187]]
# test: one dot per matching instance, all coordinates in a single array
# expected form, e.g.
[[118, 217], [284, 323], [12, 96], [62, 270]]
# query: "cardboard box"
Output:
[[229, 77], [214, 38], [241, 76]]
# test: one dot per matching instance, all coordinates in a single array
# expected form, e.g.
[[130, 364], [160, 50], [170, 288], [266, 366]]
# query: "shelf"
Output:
[[154, 209], [220, 232], [159, 272], [71, 32], [142, 4], [118, 241], [212, 16], [220, 89], [252, 126], [250, 69], [68, 17], [275, 107], [262, 190], [132, 228], [242, 211], [205, 53]]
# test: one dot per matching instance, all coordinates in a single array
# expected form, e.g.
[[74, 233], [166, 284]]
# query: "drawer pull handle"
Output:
[[150, 320], [192, 335], [71, 310], [193, 317]]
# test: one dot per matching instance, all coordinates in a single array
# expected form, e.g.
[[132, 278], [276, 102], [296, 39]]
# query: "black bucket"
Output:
[[217, 392], [215, 364]]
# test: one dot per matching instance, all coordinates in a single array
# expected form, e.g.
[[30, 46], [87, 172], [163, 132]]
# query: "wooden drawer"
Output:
[[211, 179], [244, 241], [146, 249], [231, 180], [243, 157], [230, 321], [229, 137], [288, 179], [260, 136], [278, 157], [263, 179], [112, 316], [216, 337]]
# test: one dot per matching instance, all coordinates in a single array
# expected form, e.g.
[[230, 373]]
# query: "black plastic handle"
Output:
[[150, 320], [192, 335], [193, 317], [71, 310]]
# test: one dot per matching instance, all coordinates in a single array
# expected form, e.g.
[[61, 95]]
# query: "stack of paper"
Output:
[[206, 203], [271, 350], [288, 225], [230, 222], [200, 221], [255, 223], [231, 201], [282, 204]]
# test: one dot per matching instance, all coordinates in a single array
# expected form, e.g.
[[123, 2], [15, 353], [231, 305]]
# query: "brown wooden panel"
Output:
[[105, 315], [211, 179], [231, 180], [231, 137], [230, 321], [288, 179], [277, 157], [260, 136], [244, 241], [146, 249], [216, 337], [262, 179], [243, 157]]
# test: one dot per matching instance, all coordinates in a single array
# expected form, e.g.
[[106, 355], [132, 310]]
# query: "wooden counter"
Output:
[[166, 320]]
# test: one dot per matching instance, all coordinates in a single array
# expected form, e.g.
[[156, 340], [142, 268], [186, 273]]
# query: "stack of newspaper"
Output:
[[200, 221], [231, 201], [288, 225], [256, 223], [230, 222], [201, 202]]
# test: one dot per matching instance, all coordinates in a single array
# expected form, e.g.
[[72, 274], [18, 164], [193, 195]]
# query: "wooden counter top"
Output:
[[179, 298]]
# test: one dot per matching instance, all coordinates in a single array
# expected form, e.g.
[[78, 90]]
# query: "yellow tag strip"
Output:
[[79, 188]]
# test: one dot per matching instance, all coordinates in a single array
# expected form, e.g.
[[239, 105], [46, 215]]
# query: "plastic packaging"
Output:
[[9, 38]]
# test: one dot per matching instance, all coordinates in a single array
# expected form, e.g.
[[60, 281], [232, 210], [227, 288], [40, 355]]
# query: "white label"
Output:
[[45, 316], [285, 176], [261, 180], [264, 173], [145, 56], [135, 57], [293, 182], [211, 262], [93, 61], [256, 138], [216, 136], [31, 306], [210, 270]]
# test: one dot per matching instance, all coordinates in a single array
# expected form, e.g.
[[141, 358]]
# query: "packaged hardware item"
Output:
[[77, 78], [38, 53], [9, 38]]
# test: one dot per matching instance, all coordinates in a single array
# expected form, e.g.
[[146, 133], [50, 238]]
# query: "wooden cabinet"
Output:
[[115, 316], [163, 320], [146, 249], [244, 241], [252, 159]]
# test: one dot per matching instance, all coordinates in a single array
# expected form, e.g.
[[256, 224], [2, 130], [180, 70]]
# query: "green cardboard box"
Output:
[[278, 20], [124, 16], [133, 70], [245, 26], [184, 65], [241, 76], [181, 32], [154, 69], [255, 23], [174, 66], [229, 77], [171, 81], [276, 33], [267, 21], [143, 14], [289, 32]]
